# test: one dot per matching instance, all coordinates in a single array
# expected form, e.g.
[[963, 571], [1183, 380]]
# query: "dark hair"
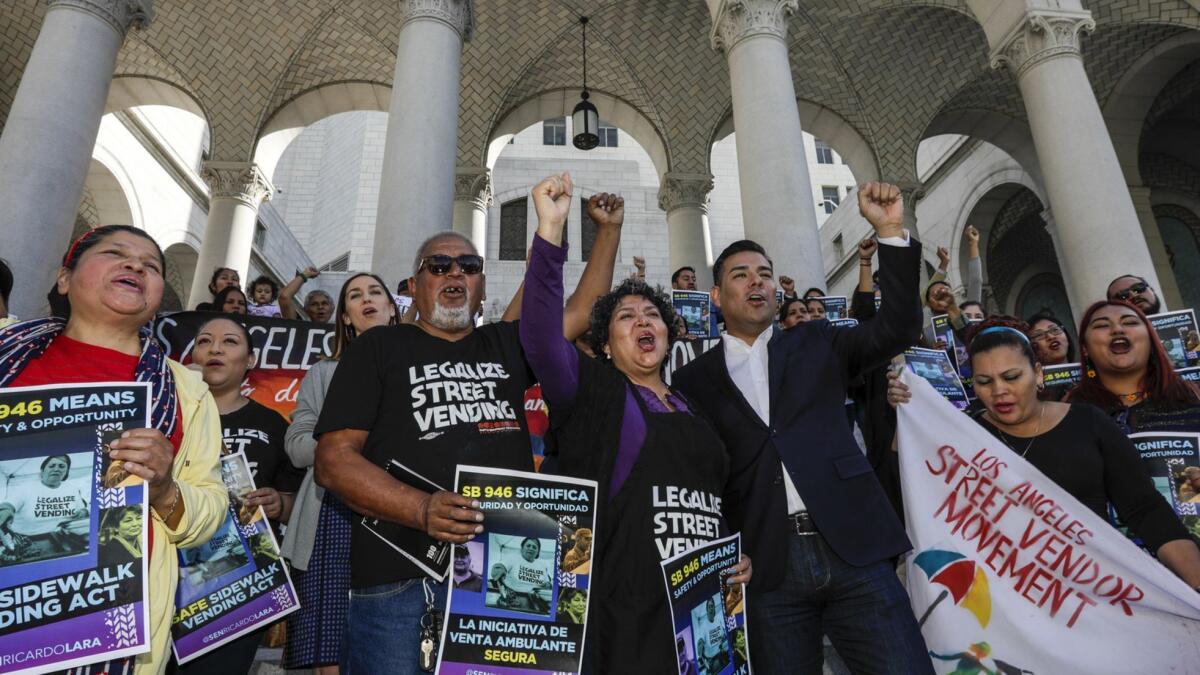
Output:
[[534, 540], [808, 302], [47, 461], [1047, 316], [60, 305], [820, 293], [933, 283], [261, 281], [220, 298], [788, 302], [967, 303], [739, 246], [681, 270], [344, 332], [6, 280], [216, 273], [603, 310], [402, 286], [1161, 383], [999, 330]]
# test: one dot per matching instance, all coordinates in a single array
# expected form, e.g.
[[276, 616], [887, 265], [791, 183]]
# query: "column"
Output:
[[1168, 293], [1097, 226], [417, 195], [51, 130], [777, 202], [684, 196], [236, 189], [472, 197]]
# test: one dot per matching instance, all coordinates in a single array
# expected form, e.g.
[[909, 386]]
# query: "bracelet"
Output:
[[300, 273], [174, 503], [865, 262]]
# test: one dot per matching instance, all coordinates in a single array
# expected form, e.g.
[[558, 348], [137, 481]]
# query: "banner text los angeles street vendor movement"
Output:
[[1047, 562]]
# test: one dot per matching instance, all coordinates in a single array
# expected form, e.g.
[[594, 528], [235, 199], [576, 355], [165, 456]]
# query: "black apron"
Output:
[[630, 615]]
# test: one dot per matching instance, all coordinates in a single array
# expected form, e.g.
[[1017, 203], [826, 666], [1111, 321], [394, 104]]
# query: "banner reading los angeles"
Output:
[[72, 527], [234, 584], [708, 615], [1010, 574], [286, 350], [517, 604]]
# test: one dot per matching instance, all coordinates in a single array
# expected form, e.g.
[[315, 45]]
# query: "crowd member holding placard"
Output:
[[1075, 445], [792, 312], [1050, 339], [222, 278], [816, 309], [1129, 375], [108, 289], [617, 422], [684, 279], [811, 512], [388, 401], [223, 351], [317, 542], [230, 300]]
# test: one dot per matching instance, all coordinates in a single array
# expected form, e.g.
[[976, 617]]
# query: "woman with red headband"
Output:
[[1075, 445], [104, 300]]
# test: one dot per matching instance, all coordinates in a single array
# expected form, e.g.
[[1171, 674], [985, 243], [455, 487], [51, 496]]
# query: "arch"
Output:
[[1040, 284], [181, 268], [981, 207], [1003, 131], [134, 91], [828, 126], [560, 103], [1135, 92], [112, 192], [287, 122]]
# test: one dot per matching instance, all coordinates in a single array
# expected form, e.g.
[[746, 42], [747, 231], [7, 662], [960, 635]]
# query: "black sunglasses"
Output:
[[439, 265], [1137, 288]]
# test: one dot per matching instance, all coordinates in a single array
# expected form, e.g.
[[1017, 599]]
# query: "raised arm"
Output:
[[286, 306], [608, 212], [974, 266]]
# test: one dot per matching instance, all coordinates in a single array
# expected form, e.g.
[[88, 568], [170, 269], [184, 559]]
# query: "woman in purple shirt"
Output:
[[661, 469]]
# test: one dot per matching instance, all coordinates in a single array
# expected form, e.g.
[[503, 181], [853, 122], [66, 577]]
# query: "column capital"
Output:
[[457, 14], [240, 181], [120, 14], [1041, 35], [473, 184], [684, 189], [736, 20]]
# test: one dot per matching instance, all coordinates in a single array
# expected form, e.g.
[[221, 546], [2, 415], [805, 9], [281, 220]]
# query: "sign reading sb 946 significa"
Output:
[[517, 604], [72, 527]]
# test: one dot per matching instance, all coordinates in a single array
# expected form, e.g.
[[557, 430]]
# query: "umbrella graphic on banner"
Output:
[[961, 578]]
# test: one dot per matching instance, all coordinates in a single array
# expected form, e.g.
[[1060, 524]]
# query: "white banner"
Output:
[[1010, 573]]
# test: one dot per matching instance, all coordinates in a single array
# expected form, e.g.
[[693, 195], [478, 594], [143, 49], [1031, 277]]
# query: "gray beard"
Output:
[[451, 318]]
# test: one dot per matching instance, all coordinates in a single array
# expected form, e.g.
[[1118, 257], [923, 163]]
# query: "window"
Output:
[[338, 264], [829, 198], [513, 218], [554, 132], [260, 235], [824, 153], [587, 230], [608, 135]]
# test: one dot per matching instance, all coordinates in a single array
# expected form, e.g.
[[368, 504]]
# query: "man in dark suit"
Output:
[[812, 514]]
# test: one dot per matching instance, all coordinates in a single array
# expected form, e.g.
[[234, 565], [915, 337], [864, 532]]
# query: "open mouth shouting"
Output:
[[130, 282], [756, 299], [1055, 346], [453, 294], [646, 341], [1120, 345]]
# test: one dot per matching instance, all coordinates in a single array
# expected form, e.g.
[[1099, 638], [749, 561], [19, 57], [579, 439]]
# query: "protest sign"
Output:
[[845, 323], [422, 550], [1061, 378], [72, 527], [684, 352], [1011, 574], [933, 365], [1178, 333], [286, 350], [836, 307], [235, 583], [708, 615], [696, 309], [1173, 461], [943, 330], [519, 597]]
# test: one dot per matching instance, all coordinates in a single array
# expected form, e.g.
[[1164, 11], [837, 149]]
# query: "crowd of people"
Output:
[[753, 424]]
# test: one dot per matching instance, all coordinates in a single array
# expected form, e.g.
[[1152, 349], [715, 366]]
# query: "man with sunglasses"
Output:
[[1135, 290], [431, 395]]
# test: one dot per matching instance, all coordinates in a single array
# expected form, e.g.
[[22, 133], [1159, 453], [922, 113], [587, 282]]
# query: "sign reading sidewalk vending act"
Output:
[[708, 615], [72, 527], [1011, 574], [236, 583], [519, 598]]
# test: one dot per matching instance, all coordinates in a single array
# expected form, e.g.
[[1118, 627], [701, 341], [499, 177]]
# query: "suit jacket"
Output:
[[808, 369]]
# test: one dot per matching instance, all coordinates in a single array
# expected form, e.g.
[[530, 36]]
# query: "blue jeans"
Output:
[[864, 611], [383, 627]]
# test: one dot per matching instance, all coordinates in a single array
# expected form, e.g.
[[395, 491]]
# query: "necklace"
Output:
[[1008, 440], [1130, 399]]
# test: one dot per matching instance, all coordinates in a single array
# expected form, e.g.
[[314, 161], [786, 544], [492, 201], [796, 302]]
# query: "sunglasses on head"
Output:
[[1128, 293], [439, 265]]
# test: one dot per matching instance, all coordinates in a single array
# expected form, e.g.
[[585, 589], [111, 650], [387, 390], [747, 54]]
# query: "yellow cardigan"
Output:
[[197, 469]]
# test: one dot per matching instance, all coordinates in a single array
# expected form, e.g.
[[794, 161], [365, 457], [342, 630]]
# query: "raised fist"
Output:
[[943, 255], [640, 263], [972, 234], [606, 210], [882, 205], [552, 200], [788, 285], [867, 248]]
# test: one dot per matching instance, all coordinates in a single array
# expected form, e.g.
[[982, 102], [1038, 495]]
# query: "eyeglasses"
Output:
[[1048, 333], [1137, 289], [439, 265]]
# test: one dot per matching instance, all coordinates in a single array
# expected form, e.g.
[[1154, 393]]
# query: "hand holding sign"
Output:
[[448, 516]]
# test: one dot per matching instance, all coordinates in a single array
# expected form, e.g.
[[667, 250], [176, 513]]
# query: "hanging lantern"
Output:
[[585, 119]]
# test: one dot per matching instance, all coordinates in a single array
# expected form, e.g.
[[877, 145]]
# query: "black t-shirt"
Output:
[[431, 405], [259, 431]]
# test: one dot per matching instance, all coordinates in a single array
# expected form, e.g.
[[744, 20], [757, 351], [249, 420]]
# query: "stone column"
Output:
[[472, 197], [777, 202], [1169, 292], [1097, 226], [417, 185], [51, 129], [684, 196], [236, 189]]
